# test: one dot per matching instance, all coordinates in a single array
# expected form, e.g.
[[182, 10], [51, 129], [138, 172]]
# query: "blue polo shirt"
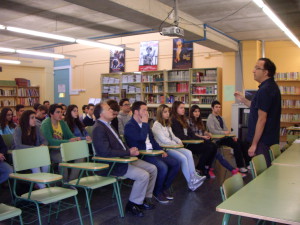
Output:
[[267, 99]]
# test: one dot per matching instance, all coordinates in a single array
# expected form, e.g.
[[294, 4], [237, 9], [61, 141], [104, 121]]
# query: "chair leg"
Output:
[[39, 213], [49, 216], [226, 218], [88, 203], [239, 220], [58, 210], [118, 197], [21, 220], [78, 210]]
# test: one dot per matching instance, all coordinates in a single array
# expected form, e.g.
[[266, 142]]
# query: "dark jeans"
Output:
[[264, 149], [207, 152], [167, 169], [224, 162], [237, 151]]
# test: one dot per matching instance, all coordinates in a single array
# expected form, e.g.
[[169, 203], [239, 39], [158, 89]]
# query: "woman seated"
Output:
[[7, 126], [27, 135], [197, 125], [163, 134]]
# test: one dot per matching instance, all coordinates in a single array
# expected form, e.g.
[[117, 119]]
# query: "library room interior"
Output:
[[151, 112]]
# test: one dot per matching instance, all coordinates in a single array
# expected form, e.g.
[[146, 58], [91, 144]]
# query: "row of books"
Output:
[[153, 88], [203, 100], [28, 101], [7, 102], [283, 131], [212, 89], [287, 76], [180, 75], [131, 89], [154, 99], [291, 90], [110, 80], [134, 99], [182, 98], [28, 92], [111, 89], [153, 77], [198, 77], [178, 87], [4, 92], [290, 118], [134, 78], [293, 104]]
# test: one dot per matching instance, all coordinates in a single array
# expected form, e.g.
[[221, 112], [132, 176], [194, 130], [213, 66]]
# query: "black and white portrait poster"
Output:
[[148, 56], [117, 61], [182, 54]]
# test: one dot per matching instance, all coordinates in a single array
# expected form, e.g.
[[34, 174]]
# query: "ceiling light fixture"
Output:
[[7, 49], [2, 27], [98, 44], [43, 54], [9, 61], [276, 20]]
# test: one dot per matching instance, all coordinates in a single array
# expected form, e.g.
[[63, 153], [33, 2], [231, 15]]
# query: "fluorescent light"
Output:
[[40, 34], [7, 50], [277, 21], [99, 44], [2, 27], [44, 54], [9, 61]]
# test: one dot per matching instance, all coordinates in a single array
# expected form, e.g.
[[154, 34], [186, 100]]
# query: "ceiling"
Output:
[[102, 19]]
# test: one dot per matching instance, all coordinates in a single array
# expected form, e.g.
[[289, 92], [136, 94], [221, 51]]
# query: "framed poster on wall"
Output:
[[182, 54], [117, 61], [148, 56]]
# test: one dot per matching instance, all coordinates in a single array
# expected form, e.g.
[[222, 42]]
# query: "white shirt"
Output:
[[148, 143]]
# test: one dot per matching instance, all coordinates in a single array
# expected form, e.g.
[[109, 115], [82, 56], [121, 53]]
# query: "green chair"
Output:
[[90, 129], [25, 159], [291, 138], [229, 187], [274, 151], [258, 165], [8, 140], [78, 150], [8, 212]]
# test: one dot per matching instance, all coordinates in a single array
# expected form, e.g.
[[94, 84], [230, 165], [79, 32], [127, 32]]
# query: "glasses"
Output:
[[257, 68]]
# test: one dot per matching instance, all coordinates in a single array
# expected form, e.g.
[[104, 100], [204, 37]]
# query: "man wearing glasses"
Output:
[[265, 109], [124, 115]]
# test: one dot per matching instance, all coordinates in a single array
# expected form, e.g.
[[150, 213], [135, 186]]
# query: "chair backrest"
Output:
[[275, 151], [8, 140], [258, 164], [291, 138], [28, 158], [90, 129], [74, 150], [231, 185]]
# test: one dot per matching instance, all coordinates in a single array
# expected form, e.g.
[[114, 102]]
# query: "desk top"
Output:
[[151, 152], [171, 146], [192, 141], [274, 195], [291, 156], [115, 159], [219, 136]]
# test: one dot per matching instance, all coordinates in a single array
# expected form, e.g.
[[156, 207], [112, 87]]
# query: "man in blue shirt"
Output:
[[265, 110]]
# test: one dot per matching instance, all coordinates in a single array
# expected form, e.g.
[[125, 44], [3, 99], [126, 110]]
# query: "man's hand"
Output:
[[145, 117], [2, 157], [73, 139], [239, 96], [134, 151], [88, 138], [164, 155], [235, 139], [226, 132], [251, 151]]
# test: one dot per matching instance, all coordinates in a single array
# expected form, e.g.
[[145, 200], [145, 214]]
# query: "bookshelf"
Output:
[[8, 95], [28, 96], [131, 85], [177, 86], [289, 85], [110, 86]]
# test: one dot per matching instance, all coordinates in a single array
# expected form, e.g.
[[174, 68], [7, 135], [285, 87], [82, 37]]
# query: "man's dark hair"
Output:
[[36, 105], [19, 106], [123, 100], [46, 101], [113, 104], [137, 106], [216, 102], [98, 110], [83, 107], [89, 105], [270, 66], [43, 108], [53, 107]]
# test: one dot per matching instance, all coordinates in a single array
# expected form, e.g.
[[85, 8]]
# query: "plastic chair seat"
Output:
[[7, 212], [50, 195], [93, 182]]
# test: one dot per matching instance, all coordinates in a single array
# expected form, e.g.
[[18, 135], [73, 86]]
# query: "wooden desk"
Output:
[[291, 157], [151, 152], [192, 141], [219, 136], [274, 196], [171, 146]]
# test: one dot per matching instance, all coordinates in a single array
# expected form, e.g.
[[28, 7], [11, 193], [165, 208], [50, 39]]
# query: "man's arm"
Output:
[[259, 128], [239, 96], [133, 134]]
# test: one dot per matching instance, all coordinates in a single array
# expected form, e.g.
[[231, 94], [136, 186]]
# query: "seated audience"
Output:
[[46, 103], [40, 115], [163, 134], [124, 115], [216, 125], [108, 143], [84, 112], [27, 135], [89, 119], [5, 168], [64, 109], [35, 106], [138, 134], [183, 131], [113, 104], [7, 126], [19, 110]]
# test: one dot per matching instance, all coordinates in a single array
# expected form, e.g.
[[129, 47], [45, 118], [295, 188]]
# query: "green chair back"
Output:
[[74, 150], [8, 140], [231, 185], [27, 158], [90, 129], [258, 164], [275, 151], [291, 138], [7, 212]]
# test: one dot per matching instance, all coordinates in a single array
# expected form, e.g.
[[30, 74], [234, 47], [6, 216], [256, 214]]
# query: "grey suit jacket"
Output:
[[213, 125], [107, 145]]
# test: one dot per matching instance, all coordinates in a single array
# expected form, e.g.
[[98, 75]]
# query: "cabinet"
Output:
[[289, 85]]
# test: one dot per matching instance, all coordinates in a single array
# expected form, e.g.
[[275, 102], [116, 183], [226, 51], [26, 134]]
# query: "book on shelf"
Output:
[[131, 78], [8, 102], [154, 99], [110, 80], [287, 76], [153, 77], [292, 90], [211, 89], [4, 92], [183, 98], [178, 75], [292, 117], [205, 100], [291, 104], [153, 88]]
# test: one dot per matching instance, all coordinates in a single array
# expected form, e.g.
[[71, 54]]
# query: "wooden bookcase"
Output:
[[8, 96], [289, 85]]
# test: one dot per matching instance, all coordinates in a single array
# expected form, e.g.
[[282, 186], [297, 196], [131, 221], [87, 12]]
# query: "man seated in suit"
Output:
[[89, 119], [108, 143], [138, 134]]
